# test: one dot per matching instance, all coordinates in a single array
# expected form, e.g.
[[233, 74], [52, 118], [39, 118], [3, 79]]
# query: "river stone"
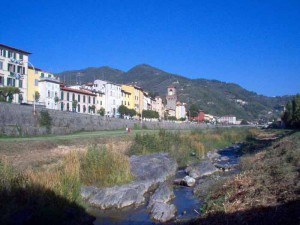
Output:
[[164, 193], [201, 169], [212, 155], [189, 181], [157, 167], [163, 212], [148, 171]]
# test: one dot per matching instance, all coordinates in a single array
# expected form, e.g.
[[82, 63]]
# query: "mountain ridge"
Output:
[[213, 96]]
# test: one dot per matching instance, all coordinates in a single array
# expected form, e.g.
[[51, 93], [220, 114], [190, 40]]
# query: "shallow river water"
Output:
[[187, 204]]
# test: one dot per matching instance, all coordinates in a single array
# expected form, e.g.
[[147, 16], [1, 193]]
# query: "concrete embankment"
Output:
[[19, 120]]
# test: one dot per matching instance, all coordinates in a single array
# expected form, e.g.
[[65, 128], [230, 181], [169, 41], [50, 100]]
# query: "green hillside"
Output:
[[212, 96]]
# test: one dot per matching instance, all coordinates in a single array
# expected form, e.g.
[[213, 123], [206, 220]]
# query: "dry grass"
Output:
[[270, 178]]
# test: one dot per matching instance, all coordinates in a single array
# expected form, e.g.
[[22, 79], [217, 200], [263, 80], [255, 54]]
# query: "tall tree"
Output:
[[291, 116], [193, 110]]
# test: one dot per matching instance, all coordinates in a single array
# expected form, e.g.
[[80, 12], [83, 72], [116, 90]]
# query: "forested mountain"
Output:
[[212, 96]]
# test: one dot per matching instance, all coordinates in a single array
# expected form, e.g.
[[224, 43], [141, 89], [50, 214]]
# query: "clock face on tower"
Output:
[[170, 92]]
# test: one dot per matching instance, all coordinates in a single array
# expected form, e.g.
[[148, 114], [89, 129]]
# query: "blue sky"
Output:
[[253, 43]]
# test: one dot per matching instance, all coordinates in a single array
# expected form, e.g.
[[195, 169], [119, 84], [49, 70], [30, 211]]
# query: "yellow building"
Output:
[[128, 96], [34, 75], [134, 96]]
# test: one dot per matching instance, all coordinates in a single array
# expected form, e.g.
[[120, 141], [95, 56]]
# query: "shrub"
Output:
[[45, 120], [103, 167]]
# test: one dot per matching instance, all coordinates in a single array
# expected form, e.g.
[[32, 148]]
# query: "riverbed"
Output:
[[187, 204]]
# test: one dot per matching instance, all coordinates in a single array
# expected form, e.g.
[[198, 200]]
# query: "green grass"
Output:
[[84, 134], [190, 146], [104, 167]]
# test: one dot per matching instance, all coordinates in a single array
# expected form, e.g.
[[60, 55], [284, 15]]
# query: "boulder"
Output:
[[163, 212], [201, 169], [160, 209], [148, 170], [164, 193]]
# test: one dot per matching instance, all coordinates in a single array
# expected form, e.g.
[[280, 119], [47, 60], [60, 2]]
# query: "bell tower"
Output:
[[171, 97]]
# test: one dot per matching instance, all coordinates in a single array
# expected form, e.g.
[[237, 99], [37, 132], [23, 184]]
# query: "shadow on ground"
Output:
[[285, 214], [35, 205]]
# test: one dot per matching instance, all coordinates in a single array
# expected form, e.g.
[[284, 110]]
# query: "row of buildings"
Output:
[[42, 87]]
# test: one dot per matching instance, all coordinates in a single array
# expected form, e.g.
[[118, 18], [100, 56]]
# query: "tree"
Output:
[[123, 110], [150, 114], [194, 110], [56, 99], [101, 111], [74, 105], [92, 108], [8, 92], [172, 118], [20, 98], [37, 96], [291, 116], [131, 112]]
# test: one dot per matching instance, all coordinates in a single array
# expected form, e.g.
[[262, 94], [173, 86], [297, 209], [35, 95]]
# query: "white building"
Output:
[[49, 89], [180, 110], [112, 96], [227, 119], [147, 102], [13, 70]]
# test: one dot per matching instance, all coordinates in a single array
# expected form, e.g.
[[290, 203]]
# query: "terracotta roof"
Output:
[[15, 49], [77, 91]]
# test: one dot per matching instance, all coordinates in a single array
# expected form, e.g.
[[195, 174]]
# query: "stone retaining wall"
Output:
[[19, 120]]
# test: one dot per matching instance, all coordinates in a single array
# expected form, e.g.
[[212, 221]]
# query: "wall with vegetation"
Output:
[[19, 120]]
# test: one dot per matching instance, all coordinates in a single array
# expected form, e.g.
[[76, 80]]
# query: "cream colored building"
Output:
[[86, 100], [157, 105], [13, 70]]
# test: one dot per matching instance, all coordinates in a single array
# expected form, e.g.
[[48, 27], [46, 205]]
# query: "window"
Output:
[[78, 110], [68, 107], [19, 69], [42, 75], [3, 53], [61, 95], [21, 56], [84, 98], [20, 83], [94, 100], [1, 80], [73, 97], [100, 102], [9, 81], [10, 67], [61, 105], [1, 65], [78, 98], [48, 94], [89, 99], [68, 97], [36, 82]]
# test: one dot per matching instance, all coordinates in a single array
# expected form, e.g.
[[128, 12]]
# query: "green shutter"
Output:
[[14, 82], [4, 53], [20, 83], [61, 95], [42, 75]]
